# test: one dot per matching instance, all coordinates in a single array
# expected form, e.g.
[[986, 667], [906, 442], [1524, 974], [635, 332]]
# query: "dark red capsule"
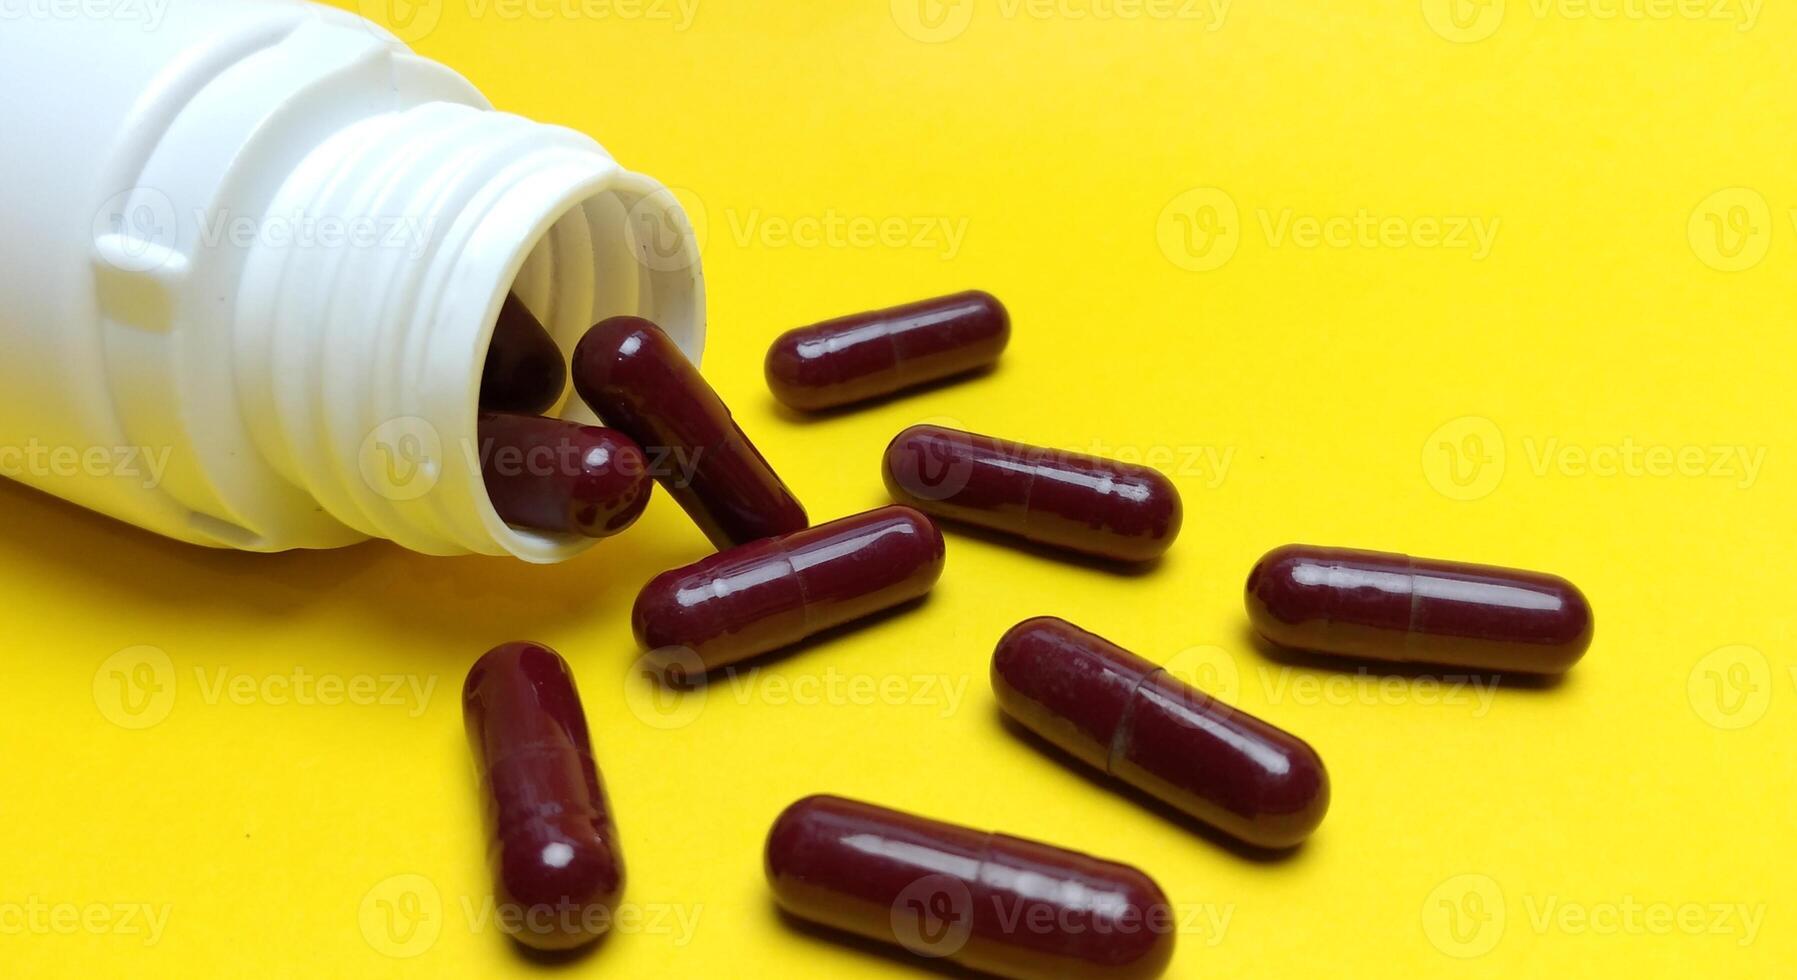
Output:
[[1095, 506], [855, 358], [525, 371], [988, 902], [638, 381], [1127, 717], [551, 475], [773, 593], [1381, 606], [557, 871]]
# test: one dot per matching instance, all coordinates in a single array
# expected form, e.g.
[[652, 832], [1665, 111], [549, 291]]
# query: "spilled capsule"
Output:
[[866, 355], [991, 902], [1130, 719], [557, 871], [1380, 606]]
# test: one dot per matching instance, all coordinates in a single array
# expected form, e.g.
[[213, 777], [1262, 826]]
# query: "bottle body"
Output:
[[255, 256]]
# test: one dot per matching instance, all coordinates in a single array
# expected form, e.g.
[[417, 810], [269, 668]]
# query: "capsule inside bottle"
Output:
[[990, 902], [1130, 719], [636, 379], [557, 871], [524, 371], [1086, 504], [867, 355], [765, 595], [563, 477], [1380, 606]]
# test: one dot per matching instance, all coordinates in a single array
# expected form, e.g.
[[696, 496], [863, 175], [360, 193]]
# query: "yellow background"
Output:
[[1135, 184]]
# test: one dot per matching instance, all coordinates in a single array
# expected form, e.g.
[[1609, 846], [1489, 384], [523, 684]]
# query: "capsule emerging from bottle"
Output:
[[1130, 719], [866, 355], [524, 370], [989, 902], [1087, 504], [1379, 606], [557, 871], [635, 378], [769, 594], [550, 475]]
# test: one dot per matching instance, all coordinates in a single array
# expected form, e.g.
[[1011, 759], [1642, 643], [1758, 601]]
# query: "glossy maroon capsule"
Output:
[[637, 380], [551, 475], [1127, 717], [1381, 606], [557, 871], [524, 371], [1100, 507], [855, 358], [773, 593], [989, 902]]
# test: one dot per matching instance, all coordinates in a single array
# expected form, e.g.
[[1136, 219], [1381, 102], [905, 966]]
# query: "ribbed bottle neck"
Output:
[[361, 334]]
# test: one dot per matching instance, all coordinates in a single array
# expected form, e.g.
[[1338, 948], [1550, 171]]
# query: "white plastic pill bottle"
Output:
[[251, 252]]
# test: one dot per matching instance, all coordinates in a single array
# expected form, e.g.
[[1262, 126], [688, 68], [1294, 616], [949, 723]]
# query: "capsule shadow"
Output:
[[787, 413], [559, 959], [868, 947], [1110, 784], [388, 597], [1329, 663]]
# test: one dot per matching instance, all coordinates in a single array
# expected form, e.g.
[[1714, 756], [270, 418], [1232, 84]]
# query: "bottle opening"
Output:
[[621, 246]]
